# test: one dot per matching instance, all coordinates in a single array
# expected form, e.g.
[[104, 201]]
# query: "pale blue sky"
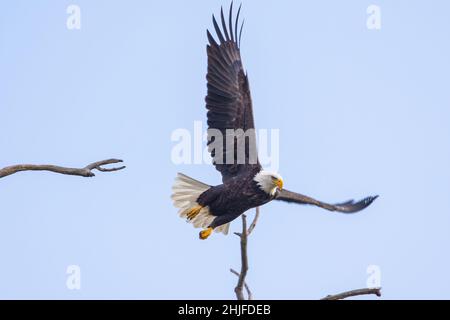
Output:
[[360, 112]]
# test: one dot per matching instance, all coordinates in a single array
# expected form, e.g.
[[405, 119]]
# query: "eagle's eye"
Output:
[[277, 182]]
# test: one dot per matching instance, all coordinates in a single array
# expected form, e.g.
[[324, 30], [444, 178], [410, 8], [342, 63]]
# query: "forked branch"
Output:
[[239, 290], [82, 172]]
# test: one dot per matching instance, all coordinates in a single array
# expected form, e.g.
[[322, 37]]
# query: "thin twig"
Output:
[[255, 221], [82, 172], [352, 293]]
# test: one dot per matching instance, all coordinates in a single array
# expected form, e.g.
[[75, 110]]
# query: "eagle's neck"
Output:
[[264, 181]]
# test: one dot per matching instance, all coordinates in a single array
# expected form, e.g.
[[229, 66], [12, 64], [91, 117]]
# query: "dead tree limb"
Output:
[[82, 172], [244, 257], [244, 260], [247, 288], [352, 293]]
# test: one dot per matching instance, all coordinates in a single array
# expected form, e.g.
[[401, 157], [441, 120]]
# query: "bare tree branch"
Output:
[[82, 172], [244, 260], [247, 288], [352, 293]]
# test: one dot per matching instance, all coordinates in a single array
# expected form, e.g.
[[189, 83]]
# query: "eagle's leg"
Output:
[[193, 212], [206, 233]]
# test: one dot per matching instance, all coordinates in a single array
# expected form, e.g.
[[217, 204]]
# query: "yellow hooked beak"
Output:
[[279, 183]]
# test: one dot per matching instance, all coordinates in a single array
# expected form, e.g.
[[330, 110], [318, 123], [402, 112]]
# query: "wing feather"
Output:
[[218, 31], [230, 21], [224, 26]]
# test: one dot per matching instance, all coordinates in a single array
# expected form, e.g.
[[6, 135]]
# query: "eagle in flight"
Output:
[[245, 184]]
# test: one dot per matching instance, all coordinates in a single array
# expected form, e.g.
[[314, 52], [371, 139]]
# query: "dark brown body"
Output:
[[236, 195]]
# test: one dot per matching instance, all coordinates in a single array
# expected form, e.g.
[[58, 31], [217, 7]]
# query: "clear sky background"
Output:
[[360, 112]]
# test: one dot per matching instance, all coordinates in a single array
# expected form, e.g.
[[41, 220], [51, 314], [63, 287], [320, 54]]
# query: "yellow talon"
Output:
[[193, 212], [206, 233]]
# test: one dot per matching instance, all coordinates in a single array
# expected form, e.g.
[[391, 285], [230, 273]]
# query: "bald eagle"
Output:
[[245, 184]]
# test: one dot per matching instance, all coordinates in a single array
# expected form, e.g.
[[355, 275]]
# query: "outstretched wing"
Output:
[[346, 207], [229, 103]]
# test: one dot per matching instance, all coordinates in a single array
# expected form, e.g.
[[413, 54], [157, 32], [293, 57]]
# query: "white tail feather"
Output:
[[185, 192]]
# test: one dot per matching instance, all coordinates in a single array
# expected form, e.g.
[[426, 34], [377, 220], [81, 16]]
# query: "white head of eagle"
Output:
[[268, 181]]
